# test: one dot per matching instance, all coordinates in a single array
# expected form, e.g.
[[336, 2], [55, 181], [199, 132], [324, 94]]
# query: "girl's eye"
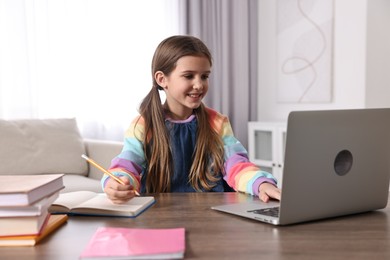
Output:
[[188, 76], [204, 77]]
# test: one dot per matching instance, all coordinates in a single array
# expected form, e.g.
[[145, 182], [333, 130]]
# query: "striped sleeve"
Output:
[[131, 161], [240, 174]]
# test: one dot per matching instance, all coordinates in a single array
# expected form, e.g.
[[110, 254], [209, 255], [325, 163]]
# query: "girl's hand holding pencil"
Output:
[[119, 193], [116, 188]]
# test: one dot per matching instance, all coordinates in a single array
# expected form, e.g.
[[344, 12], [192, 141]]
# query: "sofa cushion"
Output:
[[102, 151], [38, 146], [76, 183]]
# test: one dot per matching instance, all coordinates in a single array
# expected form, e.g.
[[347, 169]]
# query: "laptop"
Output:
[[337, 162]]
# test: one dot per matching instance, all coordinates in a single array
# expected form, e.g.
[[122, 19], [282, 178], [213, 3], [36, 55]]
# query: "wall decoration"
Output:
[[304, 51]]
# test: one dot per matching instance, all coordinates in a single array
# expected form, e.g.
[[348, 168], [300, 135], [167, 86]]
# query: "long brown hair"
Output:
[[208, 156]]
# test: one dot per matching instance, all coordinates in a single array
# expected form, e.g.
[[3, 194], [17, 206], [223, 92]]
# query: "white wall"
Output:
[[356, 83], [378, 54]]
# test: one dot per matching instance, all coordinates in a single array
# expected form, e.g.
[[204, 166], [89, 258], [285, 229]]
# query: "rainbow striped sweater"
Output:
[[239, 173]]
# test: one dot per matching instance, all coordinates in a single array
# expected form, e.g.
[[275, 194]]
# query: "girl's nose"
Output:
[[198, 85]]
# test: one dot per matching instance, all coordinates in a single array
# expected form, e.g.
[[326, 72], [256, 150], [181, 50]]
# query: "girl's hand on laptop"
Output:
[[119, 193], [269, 191]]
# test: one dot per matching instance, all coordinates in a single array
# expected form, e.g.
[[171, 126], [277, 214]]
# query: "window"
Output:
[[88, 59]]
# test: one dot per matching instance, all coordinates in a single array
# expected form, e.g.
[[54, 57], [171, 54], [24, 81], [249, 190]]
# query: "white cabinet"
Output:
[[266, 143]]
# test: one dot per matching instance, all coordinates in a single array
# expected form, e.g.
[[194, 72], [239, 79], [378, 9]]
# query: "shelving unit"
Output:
[[267, 141]]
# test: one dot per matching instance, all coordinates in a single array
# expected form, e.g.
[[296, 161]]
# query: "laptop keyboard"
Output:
[[273, 212]]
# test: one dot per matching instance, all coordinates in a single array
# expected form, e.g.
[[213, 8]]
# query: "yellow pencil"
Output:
[[105, 171]]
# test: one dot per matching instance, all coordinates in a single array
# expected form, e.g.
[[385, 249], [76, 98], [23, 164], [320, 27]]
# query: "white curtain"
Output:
[[88, 59]]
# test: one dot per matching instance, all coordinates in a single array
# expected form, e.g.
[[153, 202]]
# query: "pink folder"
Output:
[[133, 243]]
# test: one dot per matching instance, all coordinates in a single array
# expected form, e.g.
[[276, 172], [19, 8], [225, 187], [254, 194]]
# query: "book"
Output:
[[23, 190], [54, 222], [35, 209], [97, 204], [135, 243], [30, 225]]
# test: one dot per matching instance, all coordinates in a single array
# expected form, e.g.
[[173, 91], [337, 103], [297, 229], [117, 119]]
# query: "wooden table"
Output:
[[215, 235]]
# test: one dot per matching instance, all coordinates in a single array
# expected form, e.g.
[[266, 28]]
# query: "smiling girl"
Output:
[[182, 145]]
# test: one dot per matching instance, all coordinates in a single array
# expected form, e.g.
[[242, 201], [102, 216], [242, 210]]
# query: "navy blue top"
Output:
[[182, 135]]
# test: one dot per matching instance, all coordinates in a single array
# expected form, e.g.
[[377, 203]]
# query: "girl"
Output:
[[182, 145]]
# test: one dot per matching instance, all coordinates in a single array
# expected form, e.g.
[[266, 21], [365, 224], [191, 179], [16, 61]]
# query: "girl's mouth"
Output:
[[198, 95]]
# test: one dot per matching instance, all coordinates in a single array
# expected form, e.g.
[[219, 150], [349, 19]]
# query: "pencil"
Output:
[[105, 171]]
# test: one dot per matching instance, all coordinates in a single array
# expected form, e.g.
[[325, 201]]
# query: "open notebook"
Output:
[[97, 204]]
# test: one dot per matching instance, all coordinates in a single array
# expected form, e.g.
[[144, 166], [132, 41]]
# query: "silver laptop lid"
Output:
[[336, 163]]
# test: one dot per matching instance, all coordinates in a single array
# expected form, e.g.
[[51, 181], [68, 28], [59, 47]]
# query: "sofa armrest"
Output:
[[102, 152]]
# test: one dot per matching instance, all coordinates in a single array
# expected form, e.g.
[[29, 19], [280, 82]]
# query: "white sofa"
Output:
[[48, 146]]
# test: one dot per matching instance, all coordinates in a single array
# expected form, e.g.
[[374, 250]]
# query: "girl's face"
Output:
[[186, 85]]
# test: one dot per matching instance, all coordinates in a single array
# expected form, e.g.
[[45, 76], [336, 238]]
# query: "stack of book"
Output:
[[24, 204]]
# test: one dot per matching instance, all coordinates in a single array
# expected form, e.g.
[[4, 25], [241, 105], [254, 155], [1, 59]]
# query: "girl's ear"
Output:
[[159, 76]]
